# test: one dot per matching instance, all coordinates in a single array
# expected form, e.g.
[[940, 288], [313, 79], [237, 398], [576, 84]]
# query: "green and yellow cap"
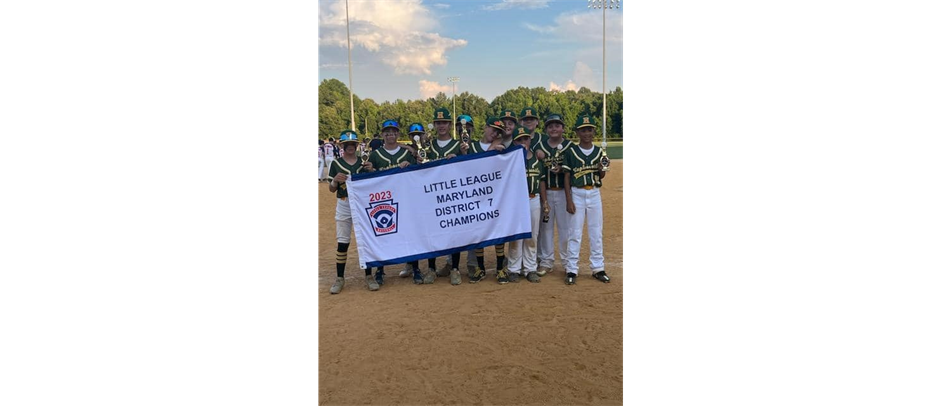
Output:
[[441, 114], [520, 132], [584, 120], [508, 114], [528, 111], [495, 122]]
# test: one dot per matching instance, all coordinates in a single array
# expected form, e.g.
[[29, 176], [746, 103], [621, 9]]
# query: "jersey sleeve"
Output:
[[567, 163], [332, 171]]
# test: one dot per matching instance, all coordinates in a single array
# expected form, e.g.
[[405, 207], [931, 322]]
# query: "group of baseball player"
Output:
[[563, 177]]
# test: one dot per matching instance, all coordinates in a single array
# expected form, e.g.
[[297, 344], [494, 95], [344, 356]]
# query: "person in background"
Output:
[[321, 173]]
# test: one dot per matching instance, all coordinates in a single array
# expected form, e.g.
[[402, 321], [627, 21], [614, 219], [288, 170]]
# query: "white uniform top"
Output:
[[328, 151]]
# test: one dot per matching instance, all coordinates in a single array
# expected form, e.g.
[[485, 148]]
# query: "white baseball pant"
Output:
[[523, 252], [558, 216], [588, 211], [344, 221], [326, 170]]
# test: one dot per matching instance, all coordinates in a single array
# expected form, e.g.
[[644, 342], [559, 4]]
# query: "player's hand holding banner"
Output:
[[446, 206]]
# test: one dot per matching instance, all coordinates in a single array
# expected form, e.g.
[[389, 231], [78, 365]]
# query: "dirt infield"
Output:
[[472, 344]]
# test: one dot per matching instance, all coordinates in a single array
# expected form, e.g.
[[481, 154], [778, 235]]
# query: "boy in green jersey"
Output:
[[522, 253], [554, 146]]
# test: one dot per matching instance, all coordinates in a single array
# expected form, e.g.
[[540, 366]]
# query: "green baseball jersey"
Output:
[[475, 147], [339, 165], [535, 139], [452, 147], [583, 169], [553, 180], [383, 160], [535, 174]]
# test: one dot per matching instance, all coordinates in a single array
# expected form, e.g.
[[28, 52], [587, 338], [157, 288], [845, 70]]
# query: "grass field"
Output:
[[614, 149]]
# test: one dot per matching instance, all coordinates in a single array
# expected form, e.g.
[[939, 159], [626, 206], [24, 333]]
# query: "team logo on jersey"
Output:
[[384, 216]]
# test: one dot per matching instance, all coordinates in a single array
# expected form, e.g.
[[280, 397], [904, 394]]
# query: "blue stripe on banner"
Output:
[[438, 162], [436, 254]]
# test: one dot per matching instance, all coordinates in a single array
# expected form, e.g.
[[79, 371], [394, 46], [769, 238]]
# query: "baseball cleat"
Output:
[[602, 276], [443, 272], [380, 277], [429, 277], [406, 271], [514, 277], [502, 277], [417, 277], [543, 271], [570, 278], [477, 275], [371, 283], [337, 287], [455, 277], [533, 277]]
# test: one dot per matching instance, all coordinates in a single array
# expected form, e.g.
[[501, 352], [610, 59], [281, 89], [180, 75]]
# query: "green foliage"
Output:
[[334, 105]]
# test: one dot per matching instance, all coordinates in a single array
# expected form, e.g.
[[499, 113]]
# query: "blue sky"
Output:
[[406, 49]]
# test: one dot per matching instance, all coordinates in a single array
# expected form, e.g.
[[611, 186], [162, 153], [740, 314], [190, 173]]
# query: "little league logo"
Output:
[[384, 215]]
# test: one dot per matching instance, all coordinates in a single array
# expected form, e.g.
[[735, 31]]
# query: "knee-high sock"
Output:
[[500, 256], [341, 257], [479, 254], [455, 259], [431, 263]]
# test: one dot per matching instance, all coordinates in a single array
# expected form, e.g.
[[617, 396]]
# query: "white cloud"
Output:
[[582, 76], [521, 4], [398, 34], [575, 25], [428, 89], [586, 28], [539, 28], [441, 5], [570, 85]]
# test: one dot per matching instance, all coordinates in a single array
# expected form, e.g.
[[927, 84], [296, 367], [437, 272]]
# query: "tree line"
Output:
[[334, 108]]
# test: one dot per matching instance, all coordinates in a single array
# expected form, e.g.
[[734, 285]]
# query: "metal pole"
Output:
[[454, 109], [353, 123], [604, 4], [454, 104]]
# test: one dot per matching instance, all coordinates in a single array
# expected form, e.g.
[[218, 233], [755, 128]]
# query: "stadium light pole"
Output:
[[353, 123], [454, 85], [603, 4]]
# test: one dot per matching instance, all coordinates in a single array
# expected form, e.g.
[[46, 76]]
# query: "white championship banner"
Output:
[[439, 208]]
